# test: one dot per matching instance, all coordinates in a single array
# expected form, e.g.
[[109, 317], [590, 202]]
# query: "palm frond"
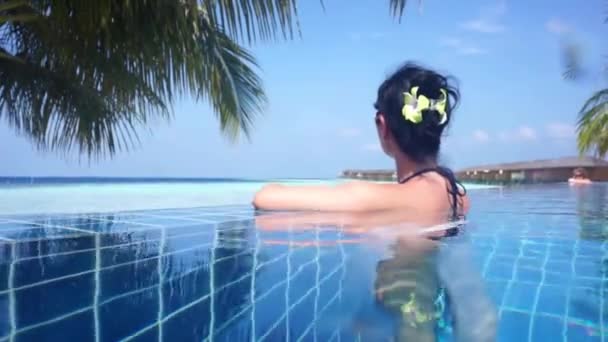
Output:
[[84, 75], [397, 8], [87, 82], [592, 125], [235, 91], [59, 112], [249, 21], [572, 60]]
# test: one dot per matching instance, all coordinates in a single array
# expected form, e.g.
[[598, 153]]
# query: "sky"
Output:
[[506, 55]]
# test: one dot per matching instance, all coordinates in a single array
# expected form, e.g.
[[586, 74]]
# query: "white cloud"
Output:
[[483, 26], [356, 36], [526, 133], [470, 51], [349, 132], [371, 147], [560, 130], [489, 19], [558, 26], [461, 47], [481, 136], [523, 133]]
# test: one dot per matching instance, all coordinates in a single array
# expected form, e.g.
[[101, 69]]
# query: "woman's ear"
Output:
[[382, 126]]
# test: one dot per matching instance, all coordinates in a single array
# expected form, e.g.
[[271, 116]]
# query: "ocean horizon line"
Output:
[[100, 179]]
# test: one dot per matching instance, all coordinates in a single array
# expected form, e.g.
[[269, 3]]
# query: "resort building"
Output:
[[536, 171]]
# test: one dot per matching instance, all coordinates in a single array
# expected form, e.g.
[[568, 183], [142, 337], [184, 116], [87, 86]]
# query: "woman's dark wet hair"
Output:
[[419, 141]]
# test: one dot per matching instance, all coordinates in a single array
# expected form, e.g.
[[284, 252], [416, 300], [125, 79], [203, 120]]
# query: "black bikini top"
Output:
[[455, 190]]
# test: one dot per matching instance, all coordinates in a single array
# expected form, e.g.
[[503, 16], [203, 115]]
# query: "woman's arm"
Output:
[[355, 196]]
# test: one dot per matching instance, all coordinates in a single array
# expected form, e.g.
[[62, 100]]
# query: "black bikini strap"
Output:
[[455, 190], [418, 173]]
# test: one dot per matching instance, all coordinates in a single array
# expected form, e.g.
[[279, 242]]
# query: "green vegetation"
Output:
[[84, 75], [592, 127]]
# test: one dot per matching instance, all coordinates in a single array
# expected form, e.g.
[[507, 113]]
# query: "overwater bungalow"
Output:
[[371, 175], [536, 171]]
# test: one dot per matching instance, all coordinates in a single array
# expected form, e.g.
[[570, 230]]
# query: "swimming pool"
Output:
[[207, 273]]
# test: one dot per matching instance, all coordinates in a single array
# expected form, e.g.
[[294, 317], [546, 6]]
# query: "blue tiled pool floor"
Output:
[[209, 274]]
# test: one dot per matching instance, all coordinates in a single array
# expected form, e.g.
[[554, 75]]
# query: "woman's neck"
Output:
[[406, 167]]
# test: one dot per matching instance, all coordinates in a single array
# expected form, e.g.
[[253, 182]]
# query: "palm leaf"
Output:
[[235, 91], [72, 85], [593, 125], [572, 59], [397, 8], [85, 75]]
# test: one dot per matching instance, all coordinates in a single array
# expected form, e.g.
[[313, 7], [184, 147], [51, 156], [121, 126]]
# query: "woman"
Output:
[[413, 108]]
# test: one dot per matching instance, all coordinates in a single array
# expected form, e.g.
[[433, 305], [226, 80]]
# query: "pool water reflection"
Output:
[[536, 255]]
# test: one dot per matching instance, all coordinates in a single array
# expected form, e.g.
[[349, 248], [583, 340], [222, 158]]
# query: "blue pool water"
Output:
[[535, 255]]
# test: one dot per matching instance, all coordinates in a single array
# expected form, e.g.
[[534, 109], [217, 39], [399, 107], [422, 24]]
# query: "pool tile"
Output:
[[151, 334], [552, 300], [125, 253], [275, 305], [584, 304], [521, 296], [528, 275], [534, 251], [547, 329], [195, 229], [79, 327], [530, 263], [6, 250], [586, 282], [589, 248], [54, 247], [513, 326], [4, 315], [587, 268], [496, 290], [140, 310], [233, 272], [146, 268], [18, 225], [561, 252], [167, 221], [557, 278], [147, 236], [32, 271], [192, 323], [563, 267], [183, 286], [50, 300], [577, 332], [37, 233], [275, 331], [221, 218], [501, 268]]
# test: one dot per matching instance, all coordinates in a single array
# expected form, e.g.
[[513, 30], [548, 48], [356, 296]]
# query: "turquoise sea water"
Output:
[[77, 195]]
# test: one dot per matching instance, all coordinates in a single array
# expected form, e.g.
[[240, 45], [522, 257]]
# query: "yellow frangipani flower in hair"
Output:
[[414, 104]]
